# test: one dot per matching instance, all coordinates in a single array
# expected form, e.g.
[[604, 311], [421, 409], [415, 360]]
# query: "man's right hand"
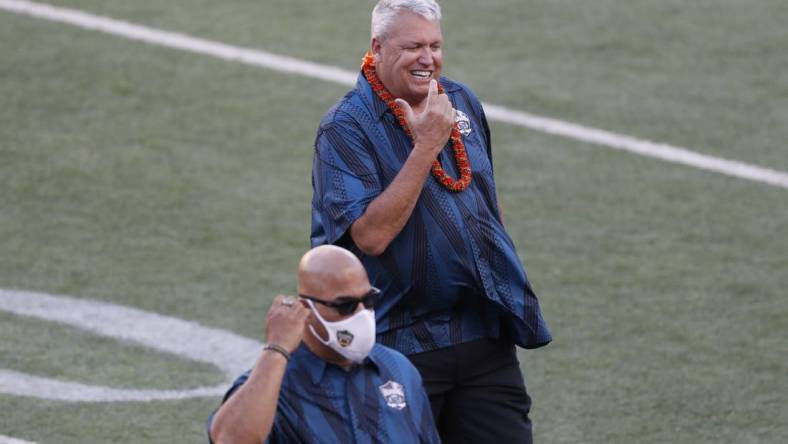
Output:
[[286, 320], [248, 415], [432, 127]]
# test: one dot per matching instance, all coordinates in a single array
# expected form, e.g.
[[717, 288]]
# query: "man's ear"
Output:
[[375, 46]]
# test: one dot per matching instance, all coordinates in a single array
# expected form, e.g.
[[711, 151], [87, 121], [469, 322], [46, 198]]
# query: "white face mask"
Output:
[[352, 338]]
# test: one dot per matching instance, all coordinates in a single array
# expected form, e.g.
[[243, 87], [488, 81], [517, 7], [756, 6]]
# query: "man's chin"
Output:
[[417, 99], [418, 94]]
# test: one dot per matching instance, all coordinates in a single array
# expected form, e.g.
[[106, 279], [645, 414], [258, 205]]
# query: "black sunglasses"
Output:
[[346, 305]]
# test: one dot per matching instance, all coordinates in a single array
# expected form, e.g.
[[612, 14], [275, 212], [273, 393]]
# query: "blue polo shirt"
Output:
[[381, 400], [452, 274]]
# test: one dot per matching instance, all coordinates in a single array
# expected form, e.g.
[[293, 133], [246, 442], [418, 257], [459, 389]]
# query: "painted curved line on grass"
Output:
[[9, 440], [231, 353]]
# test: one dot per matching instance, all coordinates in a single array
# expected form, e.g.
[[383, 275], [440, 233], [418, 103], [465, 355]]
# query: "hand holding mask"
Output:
[[285, 324]]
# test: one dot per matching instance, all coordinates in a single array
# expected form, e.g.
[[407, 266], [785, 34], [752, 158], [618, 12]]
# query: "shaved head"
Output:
[[328, 271]]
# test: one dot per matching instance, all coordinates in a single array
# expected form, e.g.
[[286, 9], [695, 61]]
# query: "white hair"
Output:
[[386, 10]]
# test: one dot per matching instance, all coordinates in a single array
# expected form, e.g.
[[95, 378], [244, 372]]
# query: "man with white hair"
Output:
[[403, 177]]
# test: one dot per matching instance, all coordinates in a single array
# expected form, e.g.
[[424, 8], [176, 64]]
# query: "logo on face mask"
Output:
[[394, 394], [353, 337], [344, 338], [463, 123]]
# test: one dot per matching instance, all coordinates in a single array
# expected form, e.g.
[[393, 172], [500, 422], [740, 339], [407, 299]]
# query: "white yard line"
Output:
[[9, 440], [668, 153], [662, 151], [229, 352]]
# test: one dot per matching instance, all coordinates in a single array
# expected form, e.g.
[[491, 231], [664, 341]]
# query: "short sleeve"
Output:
[[345, 179], [236, 385]]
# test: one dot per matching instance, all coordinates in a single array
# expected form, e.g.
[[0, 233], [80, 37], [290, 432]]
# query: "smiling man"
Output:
[[403, 177]]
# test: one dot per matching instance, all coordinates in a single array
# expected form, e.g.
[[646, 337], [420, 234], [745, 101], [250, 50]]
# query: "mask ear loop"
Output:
[[323, 321]]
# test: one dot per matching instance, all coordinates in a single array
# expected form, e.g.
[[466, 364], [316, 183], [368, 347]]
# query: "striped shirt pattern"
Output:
[[323, 403], [452, 274]]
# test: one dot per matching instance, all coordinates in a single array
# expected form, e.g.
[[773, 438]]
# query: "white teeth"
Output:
[[424, 74]]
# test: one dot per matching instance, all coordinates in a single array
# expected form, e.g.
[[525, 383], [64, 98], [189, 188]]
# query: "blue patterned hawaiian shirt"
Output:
[[381, 400], [452, 274]]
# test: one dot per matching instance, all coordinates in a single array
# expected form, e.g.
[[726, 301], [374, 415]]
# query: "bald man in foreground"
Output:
[[321, 377]]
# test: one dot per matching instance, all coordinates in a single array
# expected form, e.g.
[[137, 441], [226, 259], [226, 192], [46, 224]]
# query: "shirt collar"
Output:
[[316, 367], [378, 107], [371, 100]]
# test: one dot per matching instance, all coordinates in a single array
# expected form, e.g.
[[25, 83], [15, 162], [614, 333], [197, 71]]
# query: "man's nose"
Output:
[[426, 55]]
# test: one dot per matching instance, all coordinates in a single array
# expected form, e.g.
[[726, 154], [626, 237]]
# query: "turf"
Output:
[[706, 74], [180, 184], [74, 355]]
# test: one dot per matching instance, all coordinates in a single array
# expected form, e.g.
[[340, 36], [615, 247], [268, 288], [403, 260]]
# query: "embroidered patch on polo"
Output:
[[394, 394]]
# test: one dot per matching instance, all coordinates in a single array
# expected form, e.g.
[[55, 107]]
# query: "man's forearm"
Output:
[[388, 213], [248, 416]]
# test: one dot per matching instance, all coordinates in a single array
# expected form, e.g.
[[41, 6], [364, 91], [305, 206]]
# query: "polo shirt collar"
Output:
[[377, 106], [316, 367]]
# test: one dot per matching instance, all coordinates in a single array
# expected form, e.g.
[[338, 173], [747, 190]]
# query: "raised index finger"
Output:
[[433, 92]]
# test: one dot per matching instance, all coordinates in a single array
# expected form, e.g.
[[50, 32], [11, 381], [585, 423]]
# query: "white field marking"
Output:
[[229, 352], [9, 440], [179, 41], [668, 153], [334, 74]]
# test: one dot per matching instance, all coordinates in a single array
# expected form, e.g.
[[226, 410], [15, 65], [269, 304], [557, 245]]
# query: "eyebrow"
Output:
[[420, 42]]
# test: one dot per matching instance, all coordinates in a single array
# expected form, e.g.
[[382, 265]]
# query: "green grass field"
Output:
[[180, 184]]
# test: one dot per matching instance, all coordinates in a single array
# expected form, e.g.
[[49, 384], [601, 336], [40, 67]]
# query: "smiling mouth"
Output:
[[421, 74]]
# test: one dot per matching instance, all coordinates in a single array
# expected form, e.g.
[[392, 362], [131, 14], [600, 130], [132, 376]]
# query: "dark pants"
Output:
[[477, 392]]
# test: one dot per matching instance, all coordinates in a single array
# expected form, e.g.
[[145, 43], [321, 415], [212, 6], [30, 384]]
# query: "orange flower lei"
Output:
[[460, 156]]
